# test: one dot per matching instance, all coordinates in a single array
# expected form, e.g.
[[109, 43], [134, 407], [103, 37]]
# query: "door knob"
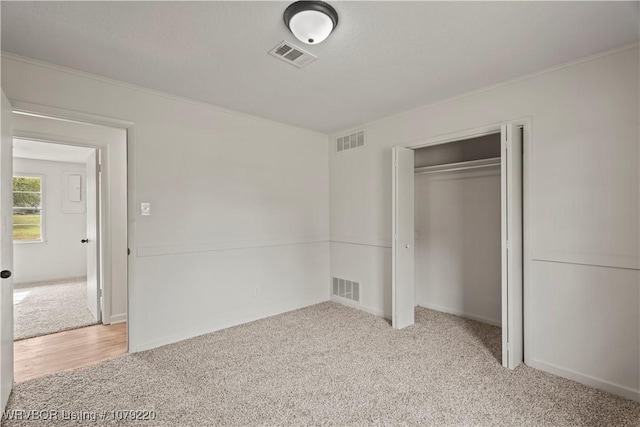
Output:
[[84, 240], [5, 274], [408, 246]]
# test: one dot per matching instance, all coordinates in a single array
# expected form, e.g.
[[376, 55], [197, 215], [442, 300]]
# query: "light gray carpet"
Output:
[[330, 365], [46, 309]]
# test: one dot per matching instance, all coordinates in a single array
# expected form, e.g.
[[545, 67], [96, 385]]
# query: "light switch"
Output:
[[145, 208]]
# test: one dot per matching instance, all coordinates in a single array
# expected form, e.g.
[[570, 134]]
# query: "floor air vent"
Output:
[[346, 289], [349, 142], [292, 54]]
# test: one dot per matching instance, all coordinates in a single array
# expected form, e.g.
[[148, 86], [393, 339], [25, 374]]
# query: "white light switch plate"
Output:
[[145, 208]]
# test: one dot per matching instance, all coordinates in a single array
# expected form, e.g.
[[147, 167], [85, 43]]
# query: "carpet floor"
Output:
[[46, 309], [330, 365]]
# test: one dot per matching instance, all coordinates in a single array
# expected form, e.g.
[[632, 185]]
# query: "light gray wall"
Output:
[[61, 255], [239, 224], [458, 246], [581, 292]]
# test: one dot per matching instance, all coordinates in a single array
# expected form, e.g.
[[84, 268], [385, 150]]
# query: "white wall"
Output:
[[458, 246], [61, 255], [239, 225], [582, 290]]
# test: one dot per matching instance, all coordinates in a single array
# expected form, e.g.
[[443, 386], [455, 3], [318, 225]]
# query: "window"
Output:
[[27, 209]]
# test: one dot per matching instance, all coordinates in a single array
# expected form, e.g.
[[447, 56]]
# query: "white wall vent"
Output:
[[349, 142], [292, 54], [346, 289]]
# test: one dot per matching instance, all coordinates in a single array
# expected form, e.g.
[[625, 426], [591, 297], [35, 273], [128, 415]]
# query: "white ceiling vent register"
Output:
[[292, 54], [349, 142], [346, 289]]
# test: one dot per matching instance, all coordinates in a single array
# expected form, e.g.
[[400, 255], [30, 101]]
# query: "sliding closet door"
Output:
[[512, 334], [403, 234]]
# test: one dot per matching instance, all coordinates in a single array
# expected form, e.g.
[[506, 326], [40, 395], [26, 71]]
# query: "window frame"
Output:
[[42, 208]]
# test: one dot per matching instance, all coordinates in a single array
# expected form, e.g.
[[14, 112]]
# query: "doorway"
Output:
[[55, 229], [96, 184], [470, 235]]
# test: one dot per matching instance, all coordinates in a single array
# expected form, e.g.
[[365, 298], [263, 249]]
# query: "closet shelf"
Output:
[[459, 166]]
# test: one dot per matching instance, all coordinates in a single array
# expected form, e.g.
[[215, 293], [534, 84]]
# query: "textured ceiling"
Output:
[[383, 58]]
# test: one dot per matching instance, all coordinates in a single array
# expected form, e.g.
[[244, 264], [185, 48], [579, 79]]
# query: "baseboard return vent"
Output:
[[349, 142], [346, 289]]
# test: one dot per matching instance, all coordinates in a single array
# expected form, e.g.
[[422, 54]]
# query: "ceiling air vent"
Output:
[[349, 142], [292, 54]]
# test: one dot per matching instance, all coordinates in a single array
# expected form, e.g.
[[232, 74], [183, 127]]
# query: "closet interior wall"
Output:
[[457, 223]]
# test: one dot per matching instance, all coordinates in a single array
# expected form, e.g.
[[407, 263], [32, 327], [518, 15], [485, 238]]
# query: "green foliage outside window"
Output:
[[27, 208]]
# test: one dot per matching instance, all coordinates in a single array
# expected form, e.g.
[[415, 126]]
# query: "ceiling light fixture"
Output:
[[310, 21]]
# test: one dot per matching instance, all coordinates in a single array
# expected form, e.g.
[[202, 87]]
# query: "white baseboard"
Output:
[[463, 314], [387, 316], [359, 306], [207, 328], [59, 281], [598, 383], [118, 318]]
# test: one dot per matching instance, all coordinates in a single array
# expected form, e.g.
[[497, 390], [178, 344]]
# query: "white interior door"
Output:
[[403, 298], [512, 334], [6, 253], [93, 236]]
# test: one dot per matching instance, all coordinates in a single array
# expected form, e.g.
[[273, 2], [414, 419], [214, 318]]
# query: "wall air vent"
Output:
[[349, 142], [345, 289], [292, 54]]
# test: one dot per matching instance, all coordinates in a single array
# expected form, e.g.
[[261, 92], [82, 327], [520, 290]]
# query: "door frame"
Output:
[[61, 114], [526, 123]]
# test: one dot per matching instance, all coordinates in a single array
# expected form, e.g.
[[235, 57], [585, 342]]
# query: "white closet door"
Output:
[[512, 334], [403, 298]]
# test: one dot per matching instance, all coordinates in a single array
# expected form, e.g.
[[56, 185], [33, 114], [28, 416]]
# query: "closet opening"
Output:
[[457, 244]]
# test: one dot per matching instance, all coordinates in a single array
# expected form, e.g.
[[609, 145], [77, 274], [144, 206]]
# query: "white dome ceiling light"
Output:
[[310, 21]]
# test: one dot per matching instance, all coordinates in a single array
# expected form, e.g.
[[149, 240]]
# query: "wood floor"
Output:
[[48, 354]]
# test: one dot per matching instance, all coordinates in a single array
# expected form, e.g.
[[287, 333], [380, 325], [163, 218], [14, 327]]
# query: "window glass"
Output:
[[27, 208]]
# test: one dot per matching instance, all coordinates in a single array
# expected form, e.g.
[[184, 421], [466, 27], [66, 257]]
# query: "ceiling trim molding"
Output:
[[45, 111], [514, 80], [147, 91]]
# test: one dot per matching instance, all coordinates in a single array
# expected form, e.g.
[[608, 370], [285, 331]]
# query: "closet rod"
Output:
[[459, 166]]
